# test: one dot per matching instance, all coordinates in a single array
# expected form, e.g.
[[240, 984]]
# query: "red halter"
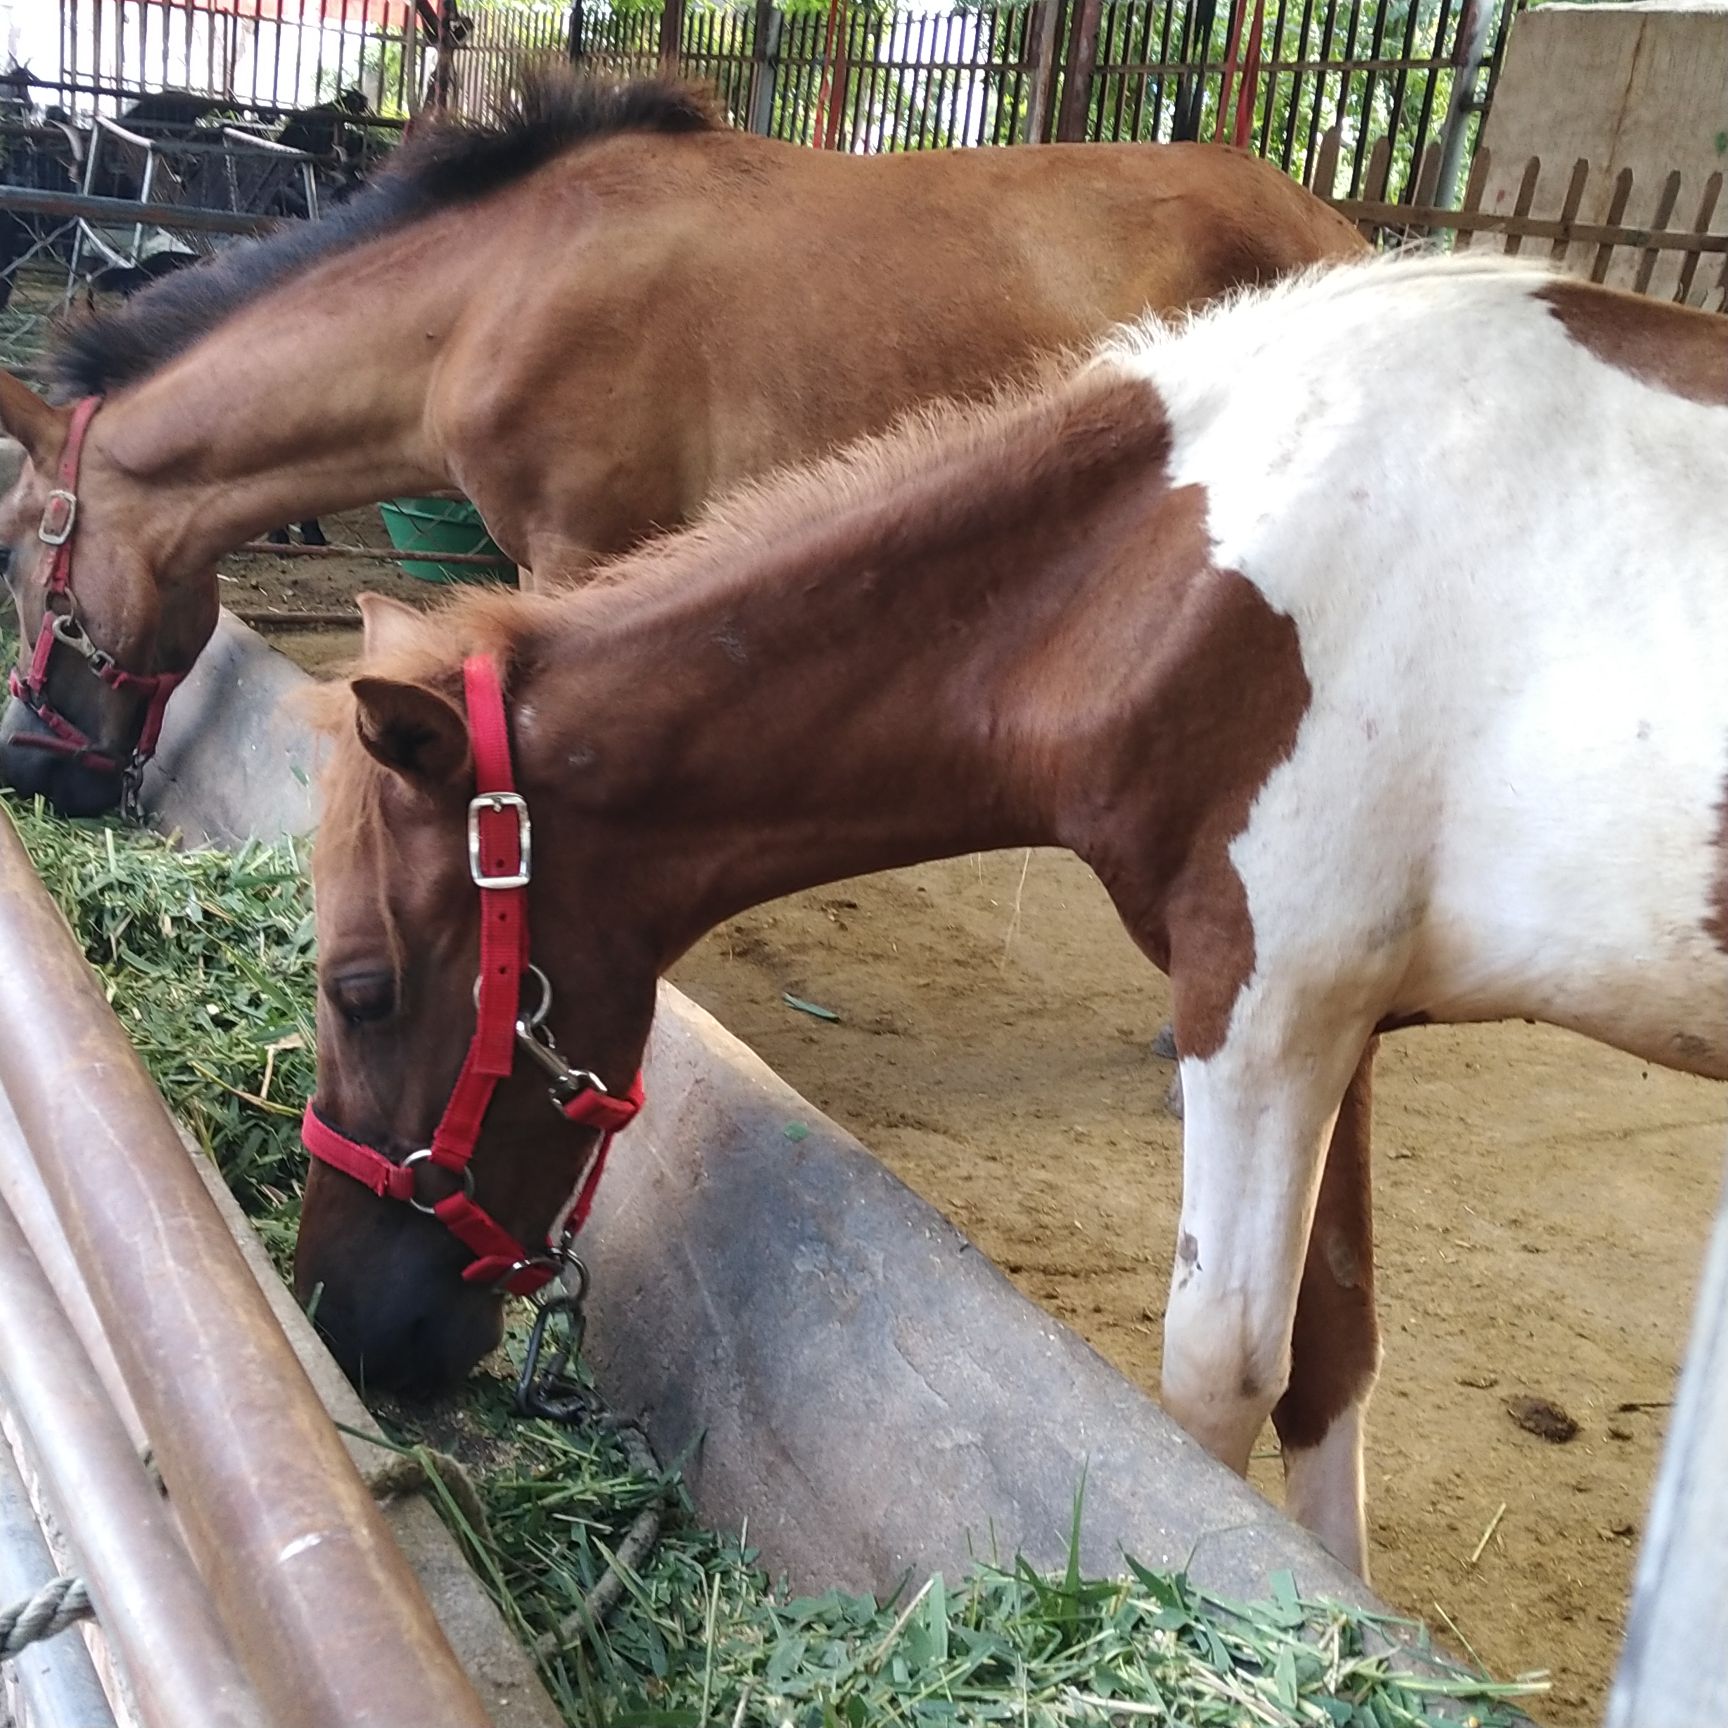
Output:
[[500, 862], [61, 628]]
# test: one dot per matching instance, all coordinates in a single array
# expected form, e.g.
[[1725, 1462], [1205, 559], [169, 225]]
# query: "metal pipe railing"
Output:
[[56, 1680], [323, 1609], [21, 1189], [154, 1609]]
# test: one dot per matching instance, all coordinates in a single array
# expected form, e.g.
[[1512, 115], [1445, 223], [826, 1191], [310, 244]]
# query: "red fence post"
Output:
[[1077, 74]]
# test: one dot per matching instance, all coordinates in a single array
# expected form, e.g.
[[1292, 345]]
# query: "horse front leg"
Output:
[[1335, 1343], [1260, 1111]]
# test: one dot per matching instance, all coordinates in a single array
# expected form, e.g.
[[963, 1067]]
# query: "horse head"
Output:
[[106, 630], [462, 950]]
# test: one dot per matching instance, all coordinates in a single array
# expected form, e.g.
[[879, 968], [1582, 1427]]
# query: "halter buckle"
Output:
[[59, 516], [495, 803]]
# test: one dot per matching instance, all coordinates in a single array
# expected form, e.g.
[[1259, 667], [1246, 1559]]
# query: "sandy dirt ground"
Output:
[[1542, 1204]]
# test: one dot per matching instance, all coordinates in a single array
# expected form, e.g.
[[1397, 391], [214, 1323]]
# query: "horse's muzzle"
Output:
[[384, 1287], [30, 764]]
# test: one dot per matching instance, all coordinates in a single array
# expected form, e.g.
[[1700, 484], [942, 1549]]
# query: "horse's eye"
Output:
[[363, 996]]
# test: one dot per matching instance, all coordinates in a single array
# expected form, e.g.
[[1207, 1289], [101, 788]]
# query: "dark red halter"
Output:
[[500, 862], [61, 630]]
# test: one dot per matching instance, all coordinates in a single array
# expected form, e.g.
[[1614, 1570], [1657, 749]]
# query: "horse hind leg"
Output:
[[1260, 1115], [1335, 1342]]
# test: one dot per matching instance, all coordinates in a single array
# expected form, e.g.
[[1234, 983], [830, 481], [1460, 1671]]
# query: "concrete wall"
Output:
[[1642, 87]]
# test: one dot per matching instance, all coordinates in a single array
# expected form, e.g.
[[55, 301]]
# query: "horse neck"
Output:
[[898, 679], [299, 405]]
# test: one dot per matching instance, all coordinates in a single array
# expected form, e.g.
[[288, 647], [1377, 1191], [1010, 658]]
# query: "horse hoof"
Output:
[[1173, 1098]]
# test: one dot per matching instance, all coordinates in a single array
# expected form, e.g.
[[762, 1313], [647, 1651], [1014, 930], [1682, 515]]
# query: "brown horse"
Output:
[[1360, 705], [590, 319]]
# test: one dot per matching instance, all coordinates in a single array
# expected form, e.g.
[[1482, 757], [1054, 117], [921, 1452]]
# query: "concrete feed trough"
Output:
[[855, 1378]]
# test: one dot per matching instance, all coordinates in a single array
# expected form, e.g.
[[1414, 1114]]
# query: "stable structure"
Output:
[[1640, 94]]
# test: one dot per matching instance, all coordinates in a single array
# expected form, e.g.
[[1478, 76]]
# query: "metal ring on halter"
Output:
[[424, 1155], [545, 1007], [574, 1268]]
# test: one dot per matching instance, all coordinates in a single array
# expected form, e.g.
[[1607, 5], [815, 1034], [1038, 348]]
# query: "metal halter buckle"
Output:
[[59, 515], [535, 1041], [492, 803], [424, 1156]]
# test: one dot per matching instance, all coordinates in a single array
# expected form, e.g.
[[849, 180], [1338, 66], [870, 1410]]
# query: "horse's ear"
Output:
[[41, 429], [413, 731], [388, 624]]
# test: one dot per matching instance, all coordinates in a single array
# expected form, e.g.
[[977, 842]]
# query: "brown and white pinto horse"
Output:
[[1367, 638], [590, 319]]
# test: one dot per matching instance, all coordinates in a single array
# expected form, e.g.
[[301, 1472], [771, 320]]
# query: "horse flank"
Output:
[[446, 162]]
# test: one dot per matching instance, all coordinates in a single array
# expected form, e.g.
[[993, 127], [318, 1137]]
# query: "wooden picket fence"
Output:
[[1583, 222]]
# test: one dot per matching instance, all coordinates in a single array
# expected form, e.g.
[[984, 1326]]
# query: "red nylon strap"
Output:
[[68, 740], [58, 528], [498, 1257], [608, 1113], [497, 835], [387, 1180], [60, 515]]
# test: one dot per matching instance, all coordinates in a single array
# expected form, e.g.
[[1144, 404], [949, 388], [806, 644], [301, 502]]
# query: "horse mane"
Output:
[[445, 162]]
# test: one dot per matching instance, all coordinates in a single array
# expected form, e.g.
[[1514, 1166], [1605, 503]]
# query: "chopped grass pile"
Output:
[[208, 960]]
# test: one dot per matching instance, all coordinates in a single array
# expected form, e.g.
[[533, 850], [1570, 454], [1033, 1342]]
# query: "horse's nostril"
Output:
[[413, 1345], [72, 787]]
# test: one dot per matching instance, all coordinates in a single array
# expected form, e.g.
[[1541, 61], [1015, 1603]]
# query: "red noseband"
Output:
[[60, 629], [500, 862]]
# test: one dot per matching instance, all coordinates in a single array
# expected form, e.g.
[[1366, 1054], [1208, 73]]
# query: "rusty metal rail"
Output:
[[154, 1608], [321, 1609]]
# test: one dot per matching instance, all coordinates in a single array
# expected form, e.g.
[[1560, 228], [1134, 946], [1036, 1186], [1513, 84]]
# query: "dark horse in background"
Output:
[[38, 151], [44, 151], [333, 132]]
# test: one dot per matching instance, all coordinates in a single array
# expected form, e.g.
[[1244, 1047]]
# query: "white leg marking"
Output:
[[1254, 1140], [1324, 1492]]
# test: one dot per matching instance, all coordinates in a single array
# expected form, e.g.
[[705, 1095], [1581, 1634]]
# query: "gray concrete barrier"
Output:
[[842, 1367]]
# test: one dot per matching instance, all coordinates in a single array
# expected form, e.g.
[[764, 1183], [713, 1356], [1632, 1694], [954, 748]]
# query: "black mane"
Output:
[[446, 162]]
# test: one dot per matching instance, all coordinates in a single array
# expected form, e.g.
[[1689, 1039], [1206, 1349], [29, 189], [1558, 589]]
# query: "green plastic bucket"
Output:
[[440, 525]]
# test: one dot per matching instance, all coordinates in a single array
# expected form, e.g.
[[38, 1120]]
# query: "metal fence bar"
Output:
[[155, 1610], [28, 201], [56, 1680], [22, 1192], [328, 1618]]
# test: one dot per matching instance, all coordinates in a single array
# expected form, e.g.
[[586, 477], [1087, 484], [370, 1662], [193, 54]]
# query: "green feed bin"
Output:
[[440, 525]]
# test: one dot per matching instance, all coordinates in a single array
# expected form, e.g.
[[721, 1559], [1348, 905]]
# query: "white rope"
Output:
[[60, 1603]]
